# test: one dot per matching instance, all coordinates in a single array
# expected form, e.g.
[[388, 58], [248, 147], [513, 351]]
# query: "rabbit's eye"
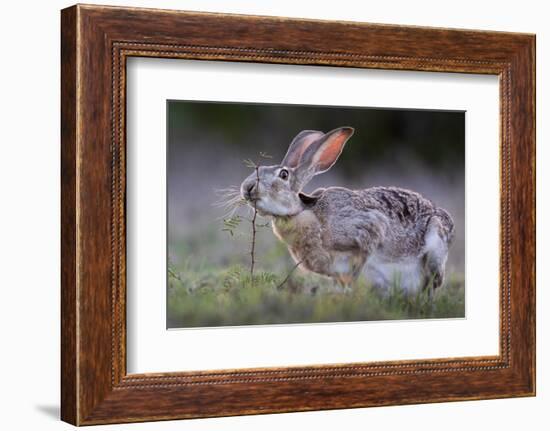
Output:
[[283, 174]]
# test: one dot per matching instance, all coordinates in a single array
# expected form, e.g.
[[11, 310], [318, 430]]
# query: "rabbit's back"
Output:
[[392, 220], [408, 209]]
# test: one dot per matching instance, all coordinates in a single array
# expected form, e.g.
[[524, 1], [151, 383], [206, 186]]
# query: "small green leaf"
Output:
[[249, 163]]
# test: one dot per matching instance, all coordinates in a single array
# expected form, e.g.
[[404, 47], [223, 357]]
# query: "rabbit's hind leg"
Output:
[[435, 256]]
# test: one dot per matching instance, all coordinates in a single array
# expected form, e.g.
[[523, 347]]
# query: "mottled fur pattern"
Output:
[[395, 234]]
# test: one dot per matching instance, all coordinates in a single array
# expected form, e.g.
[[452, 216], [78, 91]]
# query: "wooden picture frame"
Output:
[[95, 43]]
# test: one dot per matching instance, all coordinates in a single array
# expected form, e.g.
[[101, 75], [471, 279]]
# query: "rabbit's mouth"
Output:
[[251, 199], [269, 208], [255, 202]]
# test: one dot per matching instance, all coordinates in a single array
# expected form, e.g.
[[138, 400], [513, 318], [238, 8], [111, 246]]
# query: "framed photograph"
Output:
[[317, 215]]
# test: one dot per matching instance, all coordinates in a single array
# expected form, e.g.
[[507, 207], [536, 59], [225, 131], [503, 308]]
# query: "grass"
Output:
[[209, 284], [205, 295]]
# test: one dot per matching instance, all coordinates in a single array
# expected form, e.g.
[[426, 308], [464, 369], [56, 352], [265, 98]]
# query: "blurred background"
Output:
[[208, 142]]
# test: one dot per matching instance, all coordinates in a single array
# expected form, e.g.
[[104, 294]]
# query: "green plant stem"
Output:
[[253, 222], [280, 285]]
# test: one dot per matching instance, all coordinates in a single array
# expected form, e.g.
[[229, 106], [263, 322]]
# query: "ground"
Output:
[[205, 296]]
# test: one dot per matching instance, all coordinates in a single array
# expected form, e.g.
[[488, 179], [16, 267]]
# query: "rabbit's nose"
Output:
[[248, 188]]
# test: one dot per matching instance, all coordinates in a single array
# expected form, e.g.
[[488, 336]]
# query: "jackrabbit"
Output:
[[395, 234]]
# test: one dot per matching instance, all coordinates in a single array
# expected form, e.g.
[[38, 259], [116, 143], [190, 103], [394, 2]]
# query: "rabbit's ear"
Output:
[[323, 153], [298, 145]]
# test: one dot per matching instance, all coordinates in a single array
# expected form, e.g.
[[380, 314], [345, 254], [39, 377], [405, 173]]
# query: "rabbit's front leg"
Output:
[[346, 268]]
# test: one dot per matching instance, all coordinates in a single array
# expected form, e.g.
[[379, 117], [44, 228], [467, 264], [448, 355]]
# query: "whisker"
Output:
[[230, 201], [227, 196]]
